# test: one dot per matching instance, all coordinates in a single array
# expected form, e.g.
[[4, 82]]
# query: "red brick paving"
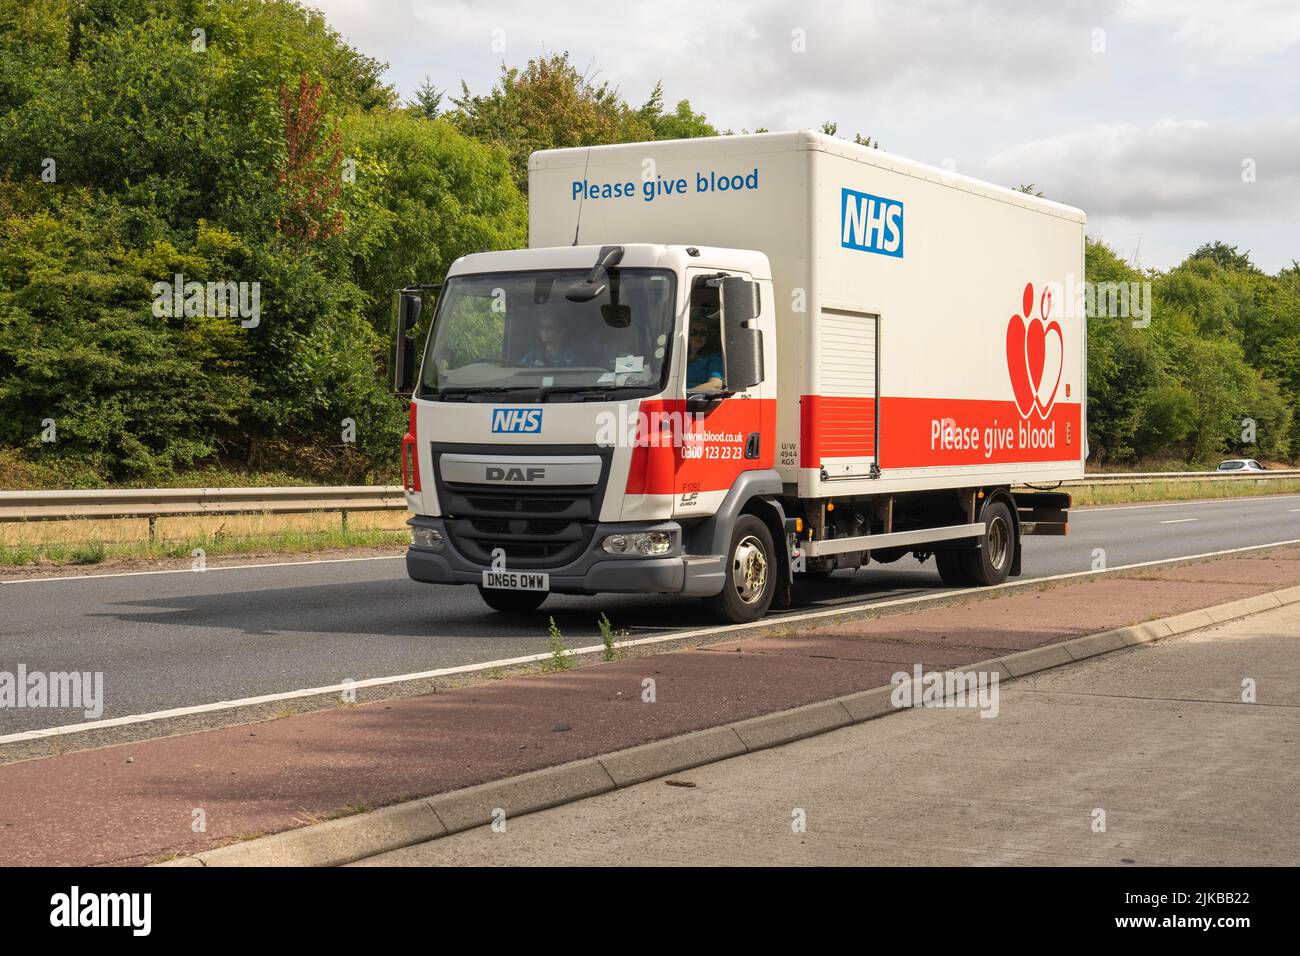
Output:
[[134, 802]]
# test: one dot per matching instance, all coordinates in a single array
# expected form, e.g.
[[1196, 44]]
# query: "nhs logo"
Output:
[[520, 420], [871, 223]]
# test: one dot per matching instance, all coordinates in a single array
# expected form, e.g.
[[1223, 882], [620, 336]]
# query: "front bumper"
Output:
[[592, 572]]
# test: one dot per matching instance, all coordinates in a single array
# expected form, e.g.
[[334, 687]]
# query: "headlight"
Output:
[[422, 537], [653, 542], [644, 542]]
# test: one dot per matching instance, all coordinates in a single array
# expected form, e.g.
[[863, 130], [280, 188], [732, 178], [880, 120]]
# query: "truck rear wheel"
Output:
[[751, 574], [512, 602], [990, 563]]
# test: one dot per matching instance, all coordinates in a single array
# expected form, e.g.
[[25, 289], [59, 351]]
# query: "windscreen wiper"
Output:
[[601, 392], [469, 391]]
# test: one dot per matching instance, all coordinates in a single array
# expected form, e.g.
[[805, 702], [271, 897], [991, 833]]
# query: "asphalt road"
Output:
[[174, 640]]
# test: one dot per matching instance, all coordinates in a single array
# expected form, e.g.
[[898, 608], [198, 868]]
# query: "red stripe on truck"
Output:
[[934, 432], [926, 432], [676, 452], [835, 427]]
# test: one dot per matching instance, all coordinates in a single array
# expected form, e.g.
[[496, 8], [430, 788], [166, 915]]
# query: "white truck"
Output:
[[725, 364]]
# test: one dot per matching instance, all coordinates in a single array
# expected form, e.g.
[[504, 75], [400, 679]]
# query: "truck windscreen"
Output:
[[499, 332]]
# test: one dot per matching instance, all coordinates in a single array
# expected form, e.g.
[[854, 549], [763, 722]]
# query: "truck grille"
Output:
[[542, 527]]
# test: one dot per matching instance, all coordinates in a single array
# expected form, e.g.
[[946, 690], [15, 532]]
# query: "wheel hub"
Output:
[[749, 569]]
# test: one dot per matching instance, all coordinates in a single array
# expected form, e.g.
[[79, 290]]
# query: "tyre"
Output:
[[990, 563], [512, 602], [751, 574], [951, 568]]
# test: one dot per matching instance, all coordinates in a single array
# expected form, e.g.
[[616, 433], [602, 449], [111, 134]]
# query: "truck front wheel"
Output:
[[512, 602], [751, 574], [952, 567]]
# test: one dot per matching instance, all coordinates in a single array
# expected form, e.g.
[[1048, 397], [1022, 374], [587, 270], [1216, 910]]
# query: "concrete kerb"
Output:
[[355, 838]]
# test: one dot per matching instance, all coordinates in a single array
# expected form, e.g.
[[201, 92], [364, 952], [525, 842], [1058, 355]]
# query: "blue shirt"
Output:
[[564, 358], [703, 367]]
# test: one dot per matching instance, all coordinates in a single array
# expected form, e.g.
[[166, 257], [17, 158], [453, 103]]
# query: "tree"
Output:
[[424, 195], [310, 174], [427, 101], [1225, 256], [682, 123], [549, 104]]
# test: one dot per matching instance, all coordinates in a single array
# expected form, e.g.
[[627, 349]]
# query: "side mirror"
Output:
[[408, 316], [595, 285], [742, 344]]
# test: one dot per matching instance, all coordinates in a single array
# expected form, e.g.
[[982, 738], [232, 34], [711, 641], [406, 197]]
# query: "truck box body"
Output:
[[924, 336]]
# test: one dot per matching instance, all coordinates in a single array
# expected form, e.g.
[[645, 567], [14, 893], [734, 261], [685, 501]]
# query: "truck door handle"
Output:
[[752, 445]]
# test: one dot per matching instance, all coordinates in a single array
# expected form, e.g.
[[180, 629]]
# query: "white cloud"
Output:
[[1012, 90], [1225, 32], [1167, 169]]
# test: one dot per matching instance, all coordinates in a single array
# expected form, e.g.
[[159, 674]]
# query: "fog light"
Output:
[[653, 542], [422, 537], [615, 543]]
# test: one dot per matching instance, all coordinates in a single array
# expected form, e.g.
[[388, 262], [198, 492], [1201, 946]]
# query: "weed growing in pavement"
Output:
[[561, 657], [607, 636]]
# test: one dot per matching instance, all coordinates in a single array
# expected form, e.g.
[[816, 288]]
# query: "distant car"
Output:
[[1241, 464]]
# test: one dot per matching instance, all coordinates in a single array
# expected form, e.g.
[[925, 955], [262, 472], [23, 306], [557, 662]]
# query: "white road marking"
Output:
[[738, 629], [1179, 520]]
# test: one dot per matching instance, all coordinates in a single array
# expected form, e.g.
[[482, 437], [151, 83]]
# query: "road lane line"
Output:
[[1179, 520], [1090, 509], [736, 629]]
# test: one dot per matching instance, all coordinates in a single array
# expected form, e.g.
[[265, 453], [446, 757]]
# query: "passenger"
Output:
[[703, 366], [552, 352]]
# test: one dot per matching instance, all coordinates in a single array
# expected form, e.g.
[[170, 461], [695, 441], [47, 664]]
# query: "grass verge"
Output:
[[99, 552], [1125, 493]]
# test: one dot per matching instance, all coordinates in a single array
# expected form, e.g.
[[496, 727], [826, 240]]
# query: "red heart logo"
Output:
[[1032, 350], [1018, 367], [1054, 357], [1035, 351]]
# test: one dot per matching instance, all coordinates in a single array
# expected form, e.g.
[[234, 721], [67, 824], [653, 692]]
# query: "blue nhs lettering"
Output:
[[871, 223], [526, 420]]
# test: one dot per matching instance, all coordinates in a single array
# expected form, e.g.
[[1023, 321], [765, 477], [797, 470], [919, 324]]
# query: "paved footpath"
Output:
[[136, 802], [1155, 737]]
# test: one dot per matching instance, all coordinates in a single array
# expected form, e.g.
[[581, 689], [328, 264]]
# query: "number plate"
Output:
[[517, 580]]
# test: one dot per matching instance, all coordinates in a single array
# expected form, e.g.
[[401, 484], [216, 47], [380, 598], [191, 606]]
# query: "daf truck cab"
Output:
[[558, 441]]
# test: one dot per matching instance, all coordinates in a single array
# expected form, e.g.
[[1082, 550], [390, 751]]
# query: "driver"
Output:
[[552, 352], [703, 365]]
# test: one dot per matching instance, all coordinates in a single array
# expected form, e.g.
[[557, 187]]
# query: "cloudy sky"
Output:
[[1170, 122]]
